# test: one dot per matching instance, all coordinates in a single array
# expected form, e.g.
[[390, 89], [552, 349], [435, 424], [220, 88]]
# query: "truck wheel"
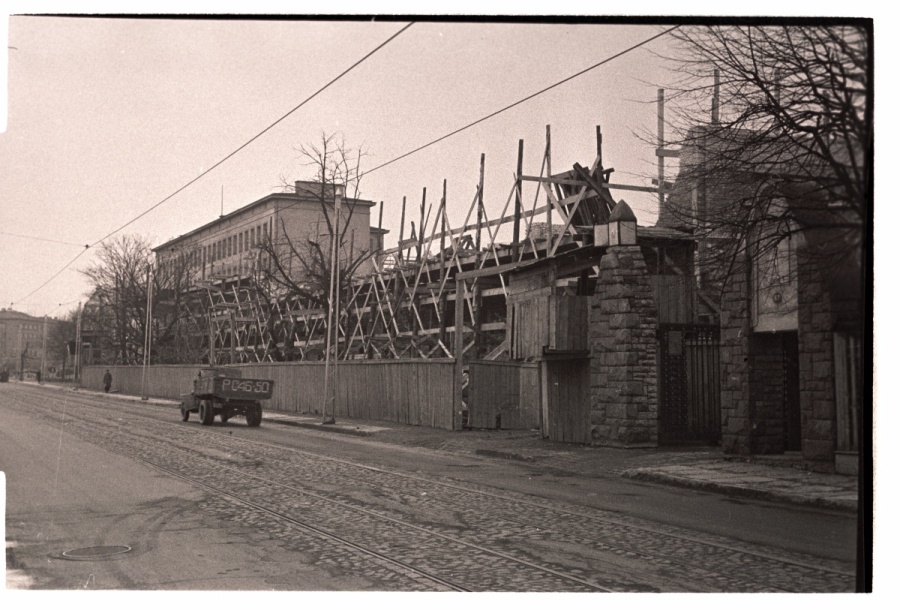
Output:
[[224, 417], [185, 414], [254, 416], [206, 413]]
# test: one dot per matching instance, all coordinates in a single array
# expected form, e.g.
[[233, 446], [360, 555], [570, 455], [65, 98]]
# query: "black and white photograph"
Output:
[[425, 303]]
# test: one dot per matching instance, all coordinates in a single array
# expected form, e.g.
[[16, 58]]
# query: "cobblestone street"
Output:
[[387, 529]]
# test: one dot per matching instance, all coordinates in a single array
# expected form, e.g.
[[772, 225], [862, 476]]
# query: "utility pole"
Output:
[[43, 352], [22, 351], [333, 313], [660, 144], [147, 332], [77, 373]]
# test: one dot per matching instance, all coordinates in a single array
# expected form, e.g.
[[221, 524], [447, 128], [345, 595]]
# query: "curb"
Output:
[[744, 492], [319, 426], [506, 455], [111, 395]]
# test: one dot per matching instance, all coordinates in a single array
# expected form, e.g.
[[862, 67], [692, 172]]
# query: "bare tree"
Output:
[[291, 269], [775, 130], [178, 309], [60, 335], [116, 312]]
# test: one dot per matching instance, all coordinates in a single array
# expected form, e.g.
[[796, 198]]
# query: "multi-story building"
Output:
[[22, 341], [228, 247], [267, 261]]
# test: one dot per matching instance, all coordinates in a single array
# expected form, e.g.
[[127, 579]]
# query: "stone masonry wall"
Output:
[[623, 324], [752, 370], [735, 364], [816, 351]]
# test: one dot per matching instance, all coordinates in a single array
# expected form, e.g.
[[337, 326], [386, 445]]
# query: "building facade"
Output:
[[246, 286], [22, 343], [231, 246], [790, 294]]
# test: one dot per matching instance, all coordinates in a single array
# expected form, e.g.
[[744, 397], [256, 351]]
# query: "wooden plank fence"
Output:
[[416, 392], [504, 395]]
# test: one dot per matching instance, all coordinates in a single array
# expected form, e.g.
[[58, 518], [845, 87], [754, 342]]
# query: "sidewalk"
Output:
[[769, 478]]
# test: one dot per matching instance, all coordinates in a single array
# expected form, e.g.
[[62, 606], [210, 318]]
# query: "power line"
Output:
[[52, 277], [525, 99], [376, 168], [260, 134], [521, 101], [55, 241], [228, 156]]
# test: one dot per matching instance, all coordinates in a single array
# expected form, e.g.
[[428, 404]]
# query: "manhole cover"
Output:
[[96, 552]]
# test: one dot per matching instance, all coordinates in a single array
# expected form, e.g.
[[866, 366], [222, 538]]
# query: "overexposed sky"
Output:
[[107, 117]]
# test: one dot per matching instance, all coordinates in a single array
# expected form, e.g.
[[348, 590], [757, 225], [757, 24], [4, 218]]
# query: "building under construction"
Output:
[[576, 320], [519, 317], [244, 287]]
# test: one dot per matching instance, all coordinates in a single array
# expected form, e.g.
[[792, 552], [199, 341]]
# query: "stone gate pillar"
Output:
[[624, 362]]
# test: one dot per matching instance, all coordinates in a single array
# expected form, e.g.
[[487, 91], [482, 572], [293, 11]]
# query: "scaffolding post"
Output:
[[518, 209], [549, 201]]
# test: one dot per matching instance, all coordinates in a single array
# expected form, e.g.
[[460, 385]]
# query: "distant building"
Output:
[[21, 342]]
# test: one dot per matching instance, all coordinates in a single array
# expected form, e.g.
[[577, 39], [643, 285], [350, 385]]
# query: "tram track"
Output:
[[610, 535]]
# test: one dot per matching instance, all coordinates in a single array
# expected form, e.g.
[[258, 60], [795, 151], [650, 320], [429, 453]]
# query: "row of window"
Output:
[[236, 243], [205, 257]]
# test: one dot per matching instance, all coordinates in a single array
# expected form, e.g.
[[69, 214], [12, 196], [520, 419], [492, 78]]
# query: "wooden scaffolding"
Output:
[[440, 293]]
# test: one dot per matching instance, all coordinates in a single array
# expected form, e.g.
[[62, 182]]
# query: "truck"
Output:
[[226, 393]]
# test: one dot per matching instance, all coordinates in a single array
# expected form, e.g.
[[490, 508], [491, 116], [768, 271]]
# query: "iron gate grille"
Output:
[[690, 407]]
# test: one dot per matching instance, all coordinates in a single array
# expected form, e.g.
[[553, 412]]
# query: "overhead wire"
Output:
[[225, 158], [521, 101], [514, 104], [55, 241], [378, 167]]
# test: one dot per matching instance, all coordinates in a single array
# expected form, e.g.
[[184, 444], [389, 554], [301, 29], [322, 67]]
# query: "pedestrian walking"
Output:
[[107, 381]]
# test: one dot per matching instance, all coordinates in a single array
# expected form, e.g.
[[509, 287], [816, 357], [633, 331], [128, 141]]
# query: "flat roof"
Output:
[[250, 206]]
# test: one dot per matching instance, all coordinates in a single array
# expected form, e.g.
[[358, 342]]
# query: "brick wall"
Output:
[[623, 323]]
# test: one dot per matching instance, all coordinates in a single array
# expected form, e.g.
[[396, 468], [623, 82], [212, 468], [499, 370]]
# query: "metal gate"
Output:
[[689, 406]]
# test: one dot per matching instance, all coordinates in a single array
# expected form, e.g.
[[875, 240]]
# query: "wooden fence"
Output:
[[504, 395], [416, 392]]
